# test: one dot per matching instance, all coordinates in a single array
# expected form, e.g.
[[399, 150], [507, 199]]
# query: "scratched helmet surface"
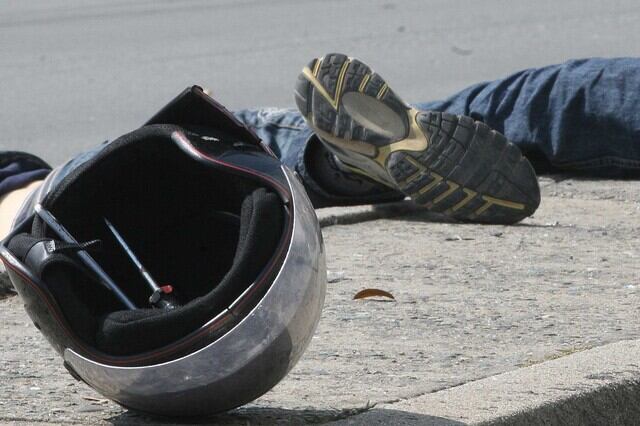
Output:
[[213, 218]]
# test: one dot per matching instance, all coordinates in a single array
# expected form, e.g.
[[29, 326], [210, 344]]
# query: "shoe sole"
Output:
[[447, 163]]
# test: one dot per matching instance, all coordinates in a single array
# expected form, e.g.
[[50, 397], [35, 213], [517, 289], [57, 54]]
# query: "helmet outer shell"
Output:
[[247, 361]]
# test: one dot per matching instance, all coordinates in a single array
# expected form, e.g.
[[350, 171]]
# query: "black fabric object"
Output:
[[131, 332], [18, 169]]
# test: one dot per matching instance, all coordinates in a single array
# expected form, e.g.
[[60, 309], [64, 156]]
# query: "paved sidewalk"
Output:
[[472, 302]]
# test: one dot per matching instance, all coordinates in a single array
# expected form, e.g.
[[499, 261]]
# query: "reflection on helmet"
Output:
[[212, 217]]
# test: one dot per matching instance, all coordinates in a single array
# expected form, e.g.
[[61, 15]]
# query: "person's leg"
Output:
[[10, 204], [447, 163], [326, 181], [20, 172], [582, 115]]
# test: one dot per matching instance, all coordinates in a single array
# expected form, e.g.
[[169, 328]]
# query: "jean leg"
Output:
[[582, 115], [284, 131]]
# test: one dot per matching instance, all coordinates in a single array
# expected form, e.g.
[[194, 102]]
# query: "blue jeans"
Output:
[[581, 116]]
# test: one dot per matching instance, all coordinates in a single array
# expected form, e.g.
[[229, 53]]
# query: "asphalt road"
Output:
[[74, 73]]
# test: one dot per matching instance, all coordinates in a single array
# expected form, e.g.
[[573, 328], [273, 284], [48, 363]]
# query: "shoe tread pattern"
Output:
[[334, 119], [480, 175]]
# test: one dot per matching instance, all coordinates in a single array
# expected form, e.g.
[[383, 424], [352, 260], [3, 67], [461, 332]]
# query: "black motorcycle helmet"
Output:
[[227, 231]]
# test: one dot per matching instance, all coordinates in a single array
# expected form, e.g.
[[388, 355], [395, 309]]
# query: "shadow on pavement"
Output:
[[269, 416]]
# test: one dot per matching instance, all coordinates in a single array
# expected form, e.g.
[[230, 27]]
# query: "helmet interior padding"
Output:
[[261, 219]]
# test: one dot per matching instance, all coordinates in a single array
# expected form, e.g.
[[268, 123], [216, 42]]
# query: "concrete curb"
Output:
[[596, 386]]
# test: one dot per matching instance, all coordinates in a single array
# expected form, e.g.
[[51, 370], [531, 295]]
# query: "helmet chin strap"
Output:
[[162, 296], [85, 257]]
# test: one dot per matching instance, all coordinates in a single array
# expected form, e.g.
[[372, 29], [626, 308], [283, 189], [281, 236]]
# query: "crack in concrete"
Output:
[[455, 385], [358, 411], [434, 390], [346, 413]]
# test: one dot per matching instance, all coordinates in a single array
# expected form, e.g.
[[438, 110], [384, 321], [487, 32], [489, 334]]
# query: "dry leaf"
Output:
[[372, 292]]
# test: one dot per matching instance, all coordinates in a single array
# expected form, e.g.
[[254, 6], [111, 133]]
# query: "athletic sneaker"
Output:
[[449, 164]]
